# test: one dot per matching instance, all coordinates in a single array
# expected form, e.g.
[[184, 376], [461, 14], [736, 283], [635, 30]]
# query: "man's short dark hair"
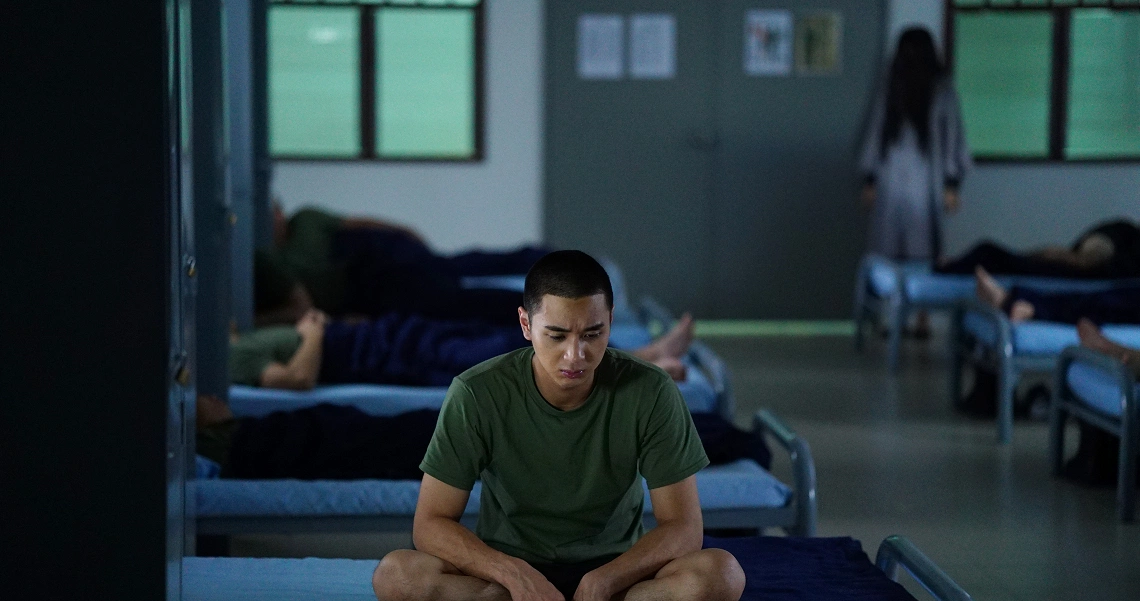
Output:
[[566, 274]]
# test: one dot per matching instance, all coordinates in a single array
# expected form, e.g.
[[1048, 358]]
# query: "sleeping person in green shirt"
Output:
[[368, 267], [561, 434]]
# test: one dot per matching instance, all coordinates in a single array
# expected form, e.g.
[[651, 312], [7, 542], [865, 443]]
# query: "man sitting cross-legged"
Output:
[[561, 433]]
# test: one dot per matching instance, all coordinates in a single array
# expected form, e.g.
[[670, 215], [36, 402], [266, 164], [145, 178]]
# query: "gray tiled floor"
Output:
[[893, 457]]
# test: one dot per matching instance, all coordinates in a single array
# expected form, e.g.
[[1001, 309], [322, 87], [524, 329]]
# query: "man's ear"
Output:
[[524, 323]]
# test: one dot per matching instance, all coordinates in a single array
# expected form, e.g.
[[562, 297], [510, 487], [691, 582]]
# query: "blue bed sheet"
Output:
[[739, 485], [1043, 337], [923, 286], [1097, 389], [777, 569], [793, 568]]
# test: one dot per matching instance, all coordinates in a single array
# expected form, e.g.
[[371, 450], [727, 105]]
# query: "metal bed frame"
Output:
[[798, 517], [1067, 403], [897, 552], [868, 307], [1001, 358]]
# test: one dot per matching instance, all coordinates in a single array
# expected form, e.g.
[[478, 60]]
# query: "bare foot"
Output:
[[675, 343], [1093, 338], [673, 367], [988, 289], [1021, 310]]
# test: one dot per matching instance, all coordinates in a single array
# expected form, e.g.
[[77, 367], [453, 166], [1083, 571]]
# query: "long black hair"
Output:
[[915, 72]]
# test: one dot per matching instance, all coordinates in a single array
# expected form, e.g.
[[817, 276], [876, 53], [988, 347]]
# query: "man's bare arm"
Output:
[[303, 368], [679, 531], [436, 531]]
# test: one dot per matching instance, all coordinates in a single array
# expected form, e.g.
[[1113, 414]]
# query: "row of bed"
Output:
[[738, 495], [1087, 386]]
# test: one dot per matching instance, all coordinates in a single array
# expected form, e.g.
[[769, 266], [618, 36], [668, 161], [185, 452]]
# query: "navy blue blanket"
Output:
[[411, 350], [808, 569], [388, 271], [337, 442]]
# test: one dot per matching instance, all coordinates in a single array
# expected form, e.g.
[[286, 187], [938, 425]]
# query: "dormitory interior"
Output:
[[139, 168]]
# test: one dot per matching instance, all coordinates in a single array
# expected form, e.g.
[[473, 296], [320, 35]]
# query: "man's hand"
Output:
[[528, 584], [312, 324], [867, 196], [595, 586]]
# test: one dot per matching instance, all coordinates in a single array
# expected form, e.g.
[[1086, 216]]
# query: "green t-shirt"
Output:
[[307, 256], [562, 486], [253, 352]]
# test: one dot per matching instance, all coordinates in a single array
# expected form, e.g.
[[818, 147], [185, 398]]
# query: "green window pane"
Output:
[[314, 81], [1002, 69], [425, 88], [1104, 86]]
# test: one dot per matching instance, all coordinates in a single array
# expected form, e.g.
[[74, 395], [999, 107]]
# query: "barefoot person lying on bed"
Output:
[[409, 350], [561, 434]]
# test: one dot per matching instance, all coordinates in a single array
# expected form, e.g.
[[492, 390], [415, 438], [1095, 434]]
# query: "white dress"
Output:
[[906, 217]]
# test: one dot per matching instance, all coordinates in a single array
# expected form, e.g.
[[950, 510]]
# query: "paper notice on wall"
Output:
[[819, 44], [768, 42], [600, 47], [652, 46]]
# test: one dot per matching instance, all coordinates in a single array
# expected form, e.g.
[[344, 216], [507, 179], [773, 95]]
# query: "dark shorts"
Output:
[[566, 576]]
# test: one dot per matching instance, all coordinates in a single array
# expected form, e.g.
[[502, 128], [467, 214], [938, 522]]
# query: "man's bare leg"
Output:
[[407, 575], [1091, 337], [989, 291], [705, 575], [674, 343]]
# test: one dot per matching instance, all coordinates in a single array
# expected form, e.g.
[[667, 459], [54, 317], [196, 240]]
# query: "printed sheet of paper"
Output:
[[600, 46], [768, 42], [652, 46], [819, 44]]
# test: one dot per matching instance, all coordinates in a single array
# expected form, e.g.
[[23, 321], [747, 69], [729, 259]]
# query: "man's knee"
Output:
[[398, 574], [714, 574]]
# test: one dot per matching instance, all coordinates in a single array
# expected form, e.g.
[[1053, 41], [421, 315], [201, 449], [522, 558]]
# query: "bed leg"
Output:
[[956, 351], [1126, 478], [898, 316], [861, 285], [1007, 384], [1057, 419]]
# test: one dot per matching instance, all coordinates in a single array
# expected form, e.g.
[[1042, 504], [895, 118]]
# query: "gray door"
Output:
[[629, 162], [728, 194]]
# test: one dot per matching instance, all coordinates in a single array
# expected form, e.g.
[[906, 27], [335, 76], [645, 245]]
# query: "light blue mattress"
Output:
[[1043, 337], [923, 286], [1098, 390], [739, 485], [249, 579]]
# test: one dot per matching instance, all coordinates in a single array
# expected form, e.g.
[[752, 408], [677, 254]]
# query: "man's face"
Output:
[[569, 336]]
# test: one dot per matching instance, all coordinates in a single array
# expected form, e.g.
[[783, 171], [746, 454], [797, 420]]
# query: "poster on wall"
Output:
[[819, 43], [652, 46], [768, 42], [600, 47]]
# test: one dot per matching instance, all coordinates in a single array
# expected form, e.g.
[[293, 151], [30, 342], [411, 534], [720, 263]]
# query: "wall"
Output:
[[1029, 204], [493, 203]]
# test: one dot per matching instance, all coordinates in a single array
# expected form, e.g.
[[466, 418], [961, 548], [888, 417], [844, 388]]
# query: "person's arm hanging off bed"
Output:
[[561, 433]]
